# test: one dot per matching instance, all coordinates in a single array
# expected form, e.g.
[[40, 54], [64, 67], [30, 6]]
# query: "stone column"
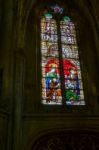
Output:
[[18, 99]]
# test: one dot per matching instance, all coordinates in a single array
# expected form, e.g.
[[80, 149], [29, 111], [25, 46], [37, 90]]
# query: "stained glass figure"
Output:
[[71, 65], [51, 85], [50, 61]]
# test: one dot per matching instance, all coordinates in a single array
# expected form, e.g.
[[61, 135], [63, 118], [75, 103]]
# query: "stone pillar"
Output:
[[18, 99]]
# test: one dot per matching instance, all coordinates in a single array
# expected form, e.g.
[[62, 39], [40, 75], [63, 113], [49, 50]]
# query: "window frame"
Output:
[[60, 53]]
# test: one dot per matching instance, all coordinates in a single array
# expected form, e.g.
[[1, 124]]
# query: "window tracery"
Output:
[[61, 72]]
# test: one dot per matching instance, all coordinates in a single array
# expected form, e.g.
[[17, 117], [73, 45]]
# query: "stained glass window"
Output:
[[61, 73]]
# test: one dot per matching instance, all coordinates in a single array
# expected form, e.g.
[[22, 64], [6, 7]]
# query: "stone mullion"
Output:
[[61, 63]]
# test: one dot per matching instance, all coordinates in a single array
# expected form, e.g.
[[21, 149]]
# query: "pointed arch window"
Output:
[[61, 82]]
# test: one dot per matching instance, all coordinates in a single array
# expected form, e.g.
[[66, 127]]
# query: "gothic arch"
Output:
[[66, 139], [85, 45], [29, 5]]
